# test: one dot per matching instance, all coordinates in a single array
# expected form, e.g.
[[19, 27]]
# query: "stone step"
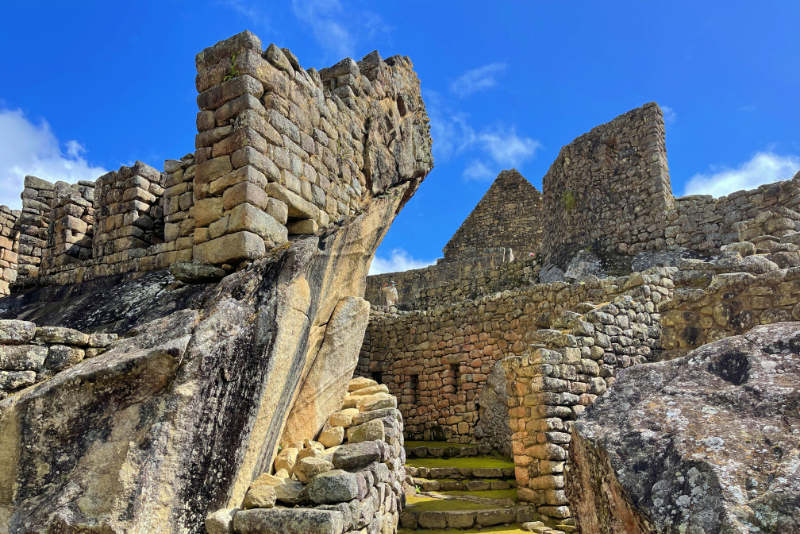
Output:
[[425, 512], [441, 449], [475, 467], [540, 528], [515, 528], [466, 484]]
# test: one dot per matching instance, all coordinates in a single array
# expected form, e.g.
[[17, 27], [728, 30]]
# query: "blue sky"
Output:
[[88, 86]]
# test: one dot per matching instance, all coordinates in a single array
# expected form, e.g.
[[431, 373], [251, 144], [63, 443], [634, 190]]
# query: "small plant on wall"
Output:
[[233, 72], [569, 201]]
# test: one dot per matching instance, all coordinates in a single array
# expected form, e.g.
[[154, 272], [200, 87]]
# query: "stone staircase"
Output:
[[462, 489]]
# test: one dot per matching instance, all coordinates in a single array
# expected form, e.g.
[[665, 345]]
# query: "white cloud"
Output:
[[336, 29], [250, 11], [30, 148], [477, 79], [478, 171], [507, 148], [669, 114], [762, 168], [398, 260], [498, 148]]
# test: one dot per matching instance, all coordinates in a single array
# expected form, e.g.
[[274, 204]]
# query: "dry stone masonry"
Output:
[[349, 480], [624, 274], [31, 354], [609, 189], [280, 151], [8, 254], [508, 216]]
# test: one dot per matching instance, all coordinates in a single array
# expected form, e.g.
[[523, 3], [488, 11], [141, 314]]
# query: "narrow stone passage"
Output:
[[459, 491]]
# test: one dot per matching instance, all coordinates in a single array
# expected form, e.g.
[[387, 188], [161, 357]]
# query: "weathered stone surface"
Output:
[[22, 357], [220, 522], [62, 356], [696, 444], [323, 387], [58, 334], [195, 272], [11, 380], [259, 496], [13, 331], [369, 431], [333, 486], [290, 492], [331, 436], [288, 521], [356, 455], [311, 466]]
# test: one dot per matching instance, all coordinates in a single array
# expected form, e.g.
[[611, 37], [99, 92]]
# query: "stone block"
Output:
[[22, 357], [369, 431], [309, 467], [62, 356], [331, 436], [356, 455], [59, 334], [211, 169], [244, 192], [333, 486], [304, 227], [14, 331], [259, 496], [13, 380], [288, 521], [230, 248], [220, 522], [249, 218], [207, 210]]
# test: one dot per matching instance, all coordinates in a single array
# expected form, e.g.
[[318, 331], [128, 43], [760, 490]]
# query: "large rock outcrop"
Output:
[[707, 443], [188, 407]]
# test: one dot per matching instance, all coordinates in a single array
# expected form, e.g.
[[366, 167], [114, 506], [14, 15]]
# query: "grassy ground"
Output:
[[486, 494], [507, 529], [436, 444], [421, 503], [473, 462]]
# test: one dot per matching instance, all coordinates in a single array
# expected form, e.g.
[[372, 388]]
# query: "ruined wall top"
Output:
[[508, 216], [609, 189]]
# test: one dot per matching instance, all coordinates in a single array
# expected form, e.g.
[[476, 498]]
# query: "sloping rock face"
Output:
[[708, 443], [178, 417]]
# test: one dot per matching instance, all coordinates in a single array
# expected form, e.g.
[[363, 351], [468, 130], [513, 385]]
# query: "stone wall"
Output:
[[437, 361], [178, 201], [750, 284], [8, 254], [609, 189], [34, 222], [285, 150], [453, 281], [704, 223], [71, 226], [280, 151], [508, 216], [30, 354], [348, 481], [564, 369], [128, 213]]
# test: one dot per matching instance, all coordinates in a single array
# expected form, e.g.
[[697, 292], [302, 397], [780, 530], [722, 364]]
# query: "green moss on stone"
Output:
[[474, 462], [485, 494], [437, 445], [506, 529]]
